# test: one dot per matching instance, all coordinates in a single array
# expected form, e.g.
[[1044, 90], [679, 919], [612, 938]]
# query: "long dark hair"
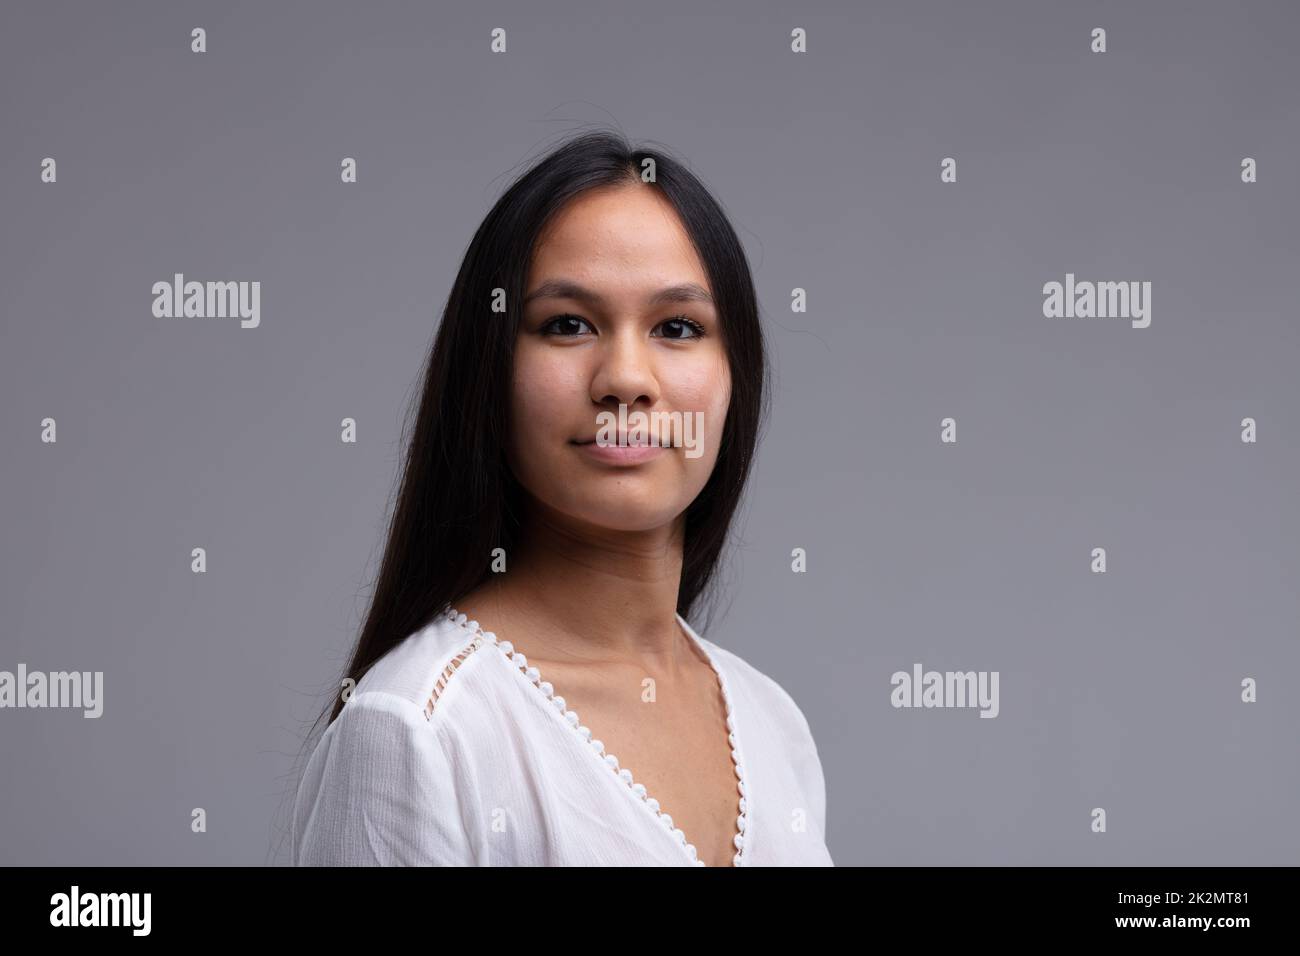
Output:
[[458, 500]]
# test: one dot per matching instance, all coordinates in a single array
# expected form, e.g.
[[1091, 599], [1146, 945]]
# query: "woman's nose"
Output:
[[625, 373]]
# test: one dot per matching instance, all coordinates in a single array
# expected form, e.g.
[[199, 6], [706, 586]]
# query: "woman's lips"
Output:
[[621, 454]]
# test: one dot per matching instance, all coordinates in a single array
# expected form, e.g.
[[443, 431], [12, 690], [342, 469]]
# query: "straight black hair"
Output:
[[458, 500]]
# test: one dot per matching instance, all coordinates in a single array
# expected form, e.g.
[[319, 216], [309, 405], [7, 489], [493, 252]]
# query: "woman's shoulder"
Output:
[[760, 693], [418, 669], [385, 783], [780, 753]]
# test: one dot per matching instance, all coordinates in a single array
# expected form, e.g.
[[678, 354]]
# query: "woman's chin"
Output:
[[626, 512]]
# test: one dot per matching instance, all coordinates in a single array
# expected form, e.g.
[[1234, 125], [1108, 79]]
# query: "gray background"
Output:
[[1118, 690]]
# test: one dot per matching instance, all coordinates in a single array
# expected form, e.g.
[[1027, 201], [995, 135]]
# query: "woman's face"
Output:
[[611, 277]]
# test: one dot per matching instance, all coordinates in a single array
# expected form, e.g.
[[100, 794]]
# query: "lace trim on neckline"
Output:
[[572, 719]]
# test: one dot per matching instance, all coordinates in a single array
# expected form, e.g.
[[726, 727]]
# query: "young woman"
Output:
[[527, 688]]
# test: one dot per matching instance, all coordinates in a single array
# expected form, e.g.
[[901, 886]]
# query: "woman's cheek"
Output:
[[708, 390], [547, 393]]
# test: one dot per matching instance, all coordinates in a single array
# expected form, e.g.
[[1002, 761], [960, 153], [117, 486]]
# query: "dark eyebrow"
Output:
[[567, 289]]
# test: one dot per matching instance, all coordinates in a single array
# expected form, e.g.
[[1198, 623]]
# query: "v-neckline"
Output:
[[636, 790]]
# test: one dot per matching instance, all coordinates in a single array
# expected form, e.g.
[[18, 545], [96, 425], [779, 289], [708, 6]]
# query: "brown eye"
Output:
[[566, 325], [681, 327]]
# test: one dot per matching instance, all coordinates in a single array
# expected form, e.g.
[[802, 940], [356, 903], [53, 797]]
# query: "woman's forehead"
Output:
[[629, 235]]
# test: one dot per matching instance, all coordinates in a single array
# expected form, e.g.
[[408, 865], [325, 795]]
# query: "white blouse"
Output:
[[452, 750]]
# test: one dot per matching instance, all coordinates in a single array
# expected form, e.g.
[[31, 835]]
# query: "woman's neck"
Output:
[[589, 593]]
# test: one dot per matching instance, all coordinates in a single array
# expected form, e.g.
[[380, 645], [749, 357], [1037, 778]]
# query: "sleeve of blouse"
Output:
[[820, 798], [808, 767], [380, 790], [816, 777]]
